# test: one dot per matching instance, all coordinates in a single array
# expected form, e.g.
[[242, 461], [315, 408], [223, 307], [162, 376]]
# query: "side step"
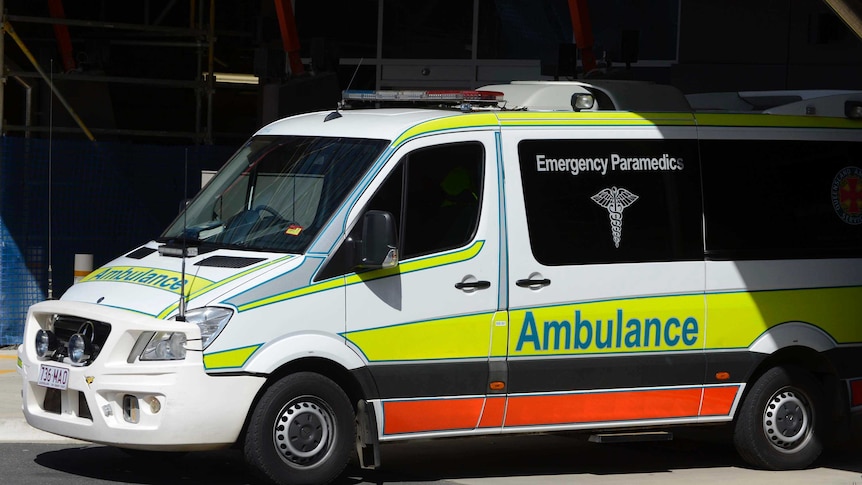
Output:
[[631, 437]]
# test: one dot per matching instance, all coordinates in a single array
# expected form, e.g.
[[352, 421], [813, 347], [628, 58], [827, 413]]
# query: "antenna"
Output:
[[354, 73], [335, 114], [50, 184], [350, 84], [182, 315]]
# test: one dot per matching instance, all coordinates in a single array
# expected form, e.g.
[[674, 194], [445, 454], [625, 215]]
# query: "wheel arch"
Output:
[[321, 354], [805, 346]]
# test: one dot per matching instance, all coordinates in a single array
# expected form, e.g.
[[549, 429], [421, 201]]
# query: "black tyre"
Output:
[[780, 426], [301, 431]]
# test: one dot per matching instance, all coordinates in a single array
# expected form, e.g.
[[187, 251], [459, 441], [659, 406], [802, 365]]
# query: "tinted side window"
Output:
[[434, 194], [782, 199], [443, 187], [610, 201]]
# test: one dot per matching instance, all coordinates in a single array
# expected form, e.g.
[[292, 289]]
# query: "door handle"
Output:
[[478, 285], [528, 283]]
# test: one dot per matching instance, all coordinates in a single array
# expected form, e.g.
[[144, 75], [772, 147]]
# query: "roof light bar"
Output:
[[444, 96]]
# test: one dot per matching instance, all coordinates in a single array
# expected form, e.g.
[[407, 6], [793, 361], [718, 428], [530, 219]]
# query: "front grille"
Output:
[[65, 326]]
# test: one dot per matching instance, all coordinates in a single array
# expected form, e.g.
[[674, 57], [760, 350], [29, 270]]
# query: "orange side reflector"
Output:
[[722, 376], [498, 385]]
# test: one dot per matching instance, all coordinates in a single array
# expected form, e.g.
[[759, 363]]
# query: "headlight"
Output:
[[165, 346], [211, 321]]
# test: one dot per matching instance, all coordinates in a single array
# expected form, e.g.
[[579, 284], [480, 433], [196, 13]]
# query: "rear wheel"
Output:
[[780, 426], [301, 431]]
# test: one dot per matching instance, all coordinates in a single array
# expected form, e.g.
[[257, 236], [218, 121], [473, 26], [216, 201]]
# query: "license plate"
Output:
[[53, 377]]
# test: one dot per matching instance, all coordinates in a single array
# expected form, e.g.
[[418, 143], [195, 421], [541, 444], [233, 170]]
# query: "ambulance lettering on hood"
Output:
[[613, 163], [155, 278]]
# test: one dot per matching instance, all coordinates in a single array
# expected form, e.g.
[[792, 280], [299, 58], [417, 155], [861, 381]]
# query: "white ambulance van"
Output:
[[529, 257]]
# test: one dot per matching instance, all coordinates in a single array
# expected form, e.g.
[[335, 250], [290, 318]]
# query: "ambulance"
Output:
[[606, 257]]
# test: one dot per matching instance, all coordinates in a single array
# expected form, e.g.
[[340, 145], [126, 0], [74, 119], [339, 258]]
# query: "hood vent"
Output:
[[228, 262], [140, 253]]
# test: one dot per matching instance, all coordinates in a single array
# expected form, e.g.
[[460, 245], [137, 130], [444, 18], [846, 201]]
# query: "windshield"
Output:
[[276, 192]]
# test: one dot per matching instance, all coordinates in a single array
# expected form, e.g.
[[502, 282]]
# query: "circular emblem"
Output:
[[847, 195]]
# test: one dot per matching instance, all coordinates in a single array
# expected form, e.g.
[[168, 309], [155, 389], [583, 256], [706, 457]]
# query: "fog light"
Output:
[[80, 349], [155, 404], [107, 410], [131, 412], [46, 343]]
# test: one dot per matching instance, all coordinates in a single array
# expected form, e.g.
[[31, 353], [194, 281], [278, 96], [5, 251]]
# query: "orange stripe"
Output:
[[454, 414], [431, 415], [606, 406], [492, 416], [856, 393], [717, 401]]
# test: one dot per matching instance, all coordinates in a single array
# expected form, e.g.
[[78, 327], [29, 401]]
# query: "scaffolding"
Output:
[[199, 35]]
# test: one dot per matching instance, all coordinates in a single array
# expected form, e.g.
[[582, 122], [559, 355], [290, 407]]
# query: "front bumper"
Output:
[[179, 406]]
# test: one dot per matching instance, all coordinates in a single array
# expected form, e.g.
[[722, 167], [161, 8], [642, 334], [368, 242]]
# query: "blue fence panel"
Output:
[[105, 198]]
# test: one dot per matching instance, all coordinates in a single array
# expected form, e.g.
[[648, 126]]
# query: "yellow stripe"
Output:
[[449, 338], [777, 121], [408, 267], [600, 118], [736, 320], [475, 120], [167, 311], [229, 359]]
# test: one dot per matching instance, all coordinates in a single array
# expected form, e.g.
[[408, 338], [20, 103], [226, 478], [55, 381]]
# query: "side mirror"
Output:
[[378, 246], [184, 204]]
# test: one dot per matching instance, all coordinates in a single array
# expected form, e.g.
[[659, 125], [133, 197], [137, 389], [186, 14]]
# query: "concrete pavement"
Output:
[[13, 426]]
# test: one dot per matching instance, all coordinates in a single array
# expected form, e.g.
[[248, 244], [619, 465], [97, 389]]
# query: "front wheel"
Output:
[[780, 426], [301, 431]]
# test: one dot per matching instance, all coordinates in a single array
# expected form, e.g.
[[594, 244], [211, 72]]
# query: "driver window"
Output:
[[441, 201], [434, 195]]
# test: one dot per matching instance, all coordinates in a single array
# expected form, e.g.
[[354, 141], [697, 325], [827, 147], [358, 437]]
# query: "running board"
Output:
[[631, 437]]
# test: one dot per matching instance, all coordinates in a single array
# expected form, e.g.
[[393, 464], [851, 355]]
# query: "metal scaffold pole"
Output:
[[7, 27]]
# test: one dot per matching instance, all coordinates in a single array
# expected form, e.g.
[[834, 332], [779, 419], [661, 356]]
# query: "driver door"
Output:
[[425, 327]]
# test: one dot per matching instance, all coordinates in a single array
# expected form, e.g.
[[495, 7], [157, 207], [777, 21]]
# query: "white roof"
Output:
[[384, 124], [609, 94]]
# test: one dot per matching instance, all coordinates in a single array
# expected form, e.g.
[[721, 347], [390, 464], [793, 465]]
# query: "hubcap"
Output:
[[303, 431], [787, 419]]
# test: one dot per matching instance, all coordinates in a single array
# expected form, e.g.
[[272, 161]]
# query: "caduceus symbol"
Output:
[[615, 200]]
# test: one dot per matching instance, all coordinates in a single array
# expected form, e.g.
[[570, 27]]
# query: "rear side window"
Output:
[[768, 199], [612, 201]]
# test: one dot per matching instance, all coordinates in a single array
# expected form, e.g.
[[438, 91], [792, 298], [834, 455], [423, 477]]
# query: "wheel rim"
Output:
[[304, 431], [788, 419]]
